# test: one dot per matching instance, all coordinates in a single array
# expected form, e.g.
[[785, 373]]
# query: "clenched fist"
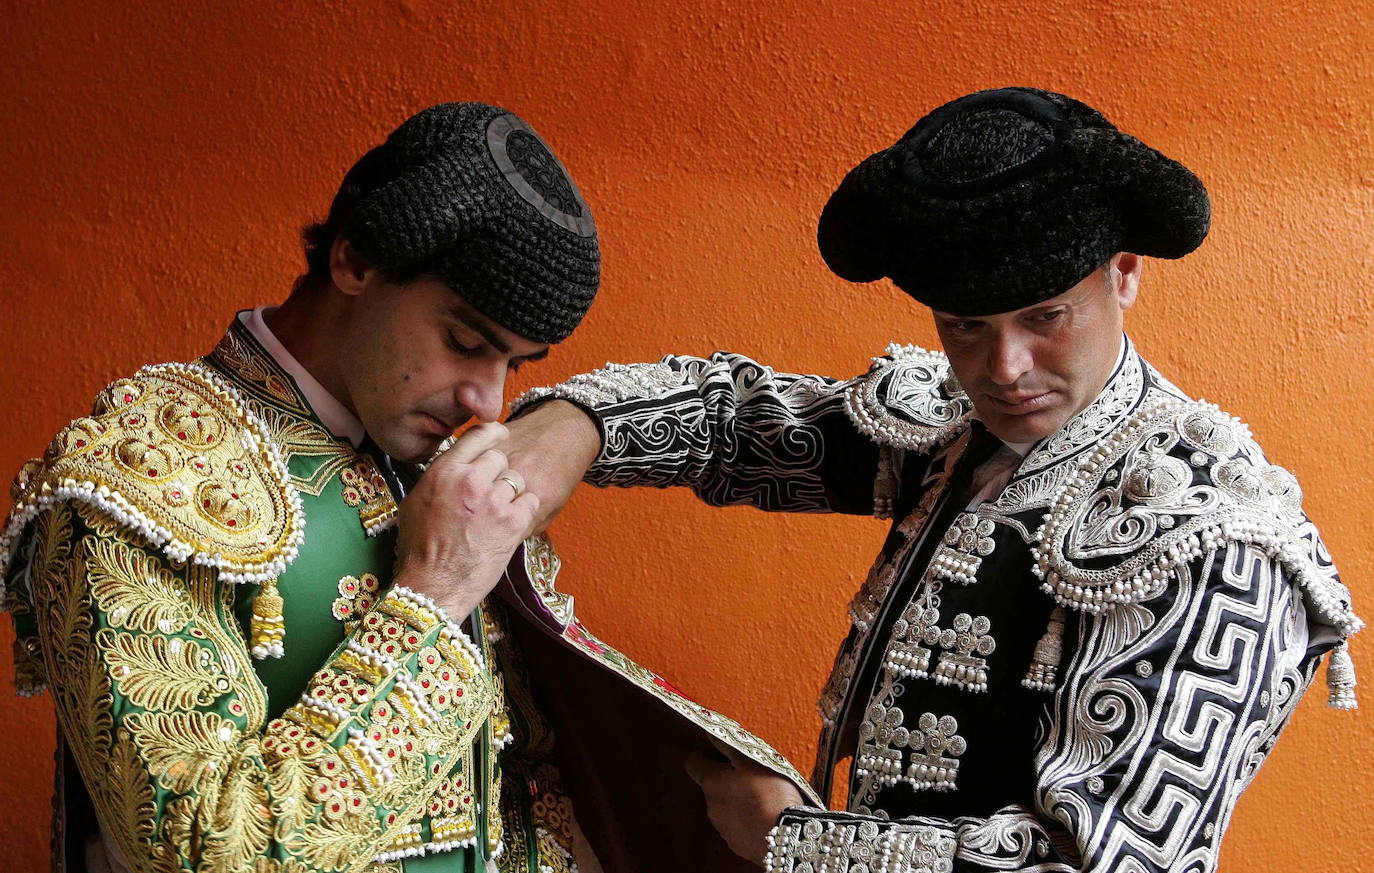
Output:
[[460, 524]]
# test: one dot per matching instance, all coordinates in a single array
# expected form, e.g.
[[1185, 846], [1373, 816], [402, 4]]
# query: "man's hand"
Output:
[[552, 445], [460, 524], [743, 799]]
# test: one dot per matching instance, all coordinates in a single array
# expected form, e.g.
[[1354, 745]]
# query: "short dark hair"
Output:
[[317, 238]]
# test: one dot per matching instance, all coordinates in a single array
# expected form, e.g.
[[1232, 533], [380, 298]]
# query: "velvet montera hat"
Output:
[[1002, 199], [470, 193]]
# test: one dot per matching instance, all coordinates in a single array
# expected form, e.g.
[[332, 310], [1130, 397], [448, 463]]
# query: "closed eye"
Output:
[[467, 351]]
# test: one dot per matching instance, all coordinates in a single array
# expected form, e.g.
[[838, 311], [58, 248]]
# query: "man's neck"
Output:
[[306, 325]]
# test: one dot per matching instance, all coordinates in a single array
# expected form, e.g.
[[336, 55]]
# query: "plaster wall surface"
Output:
[[157, 161]]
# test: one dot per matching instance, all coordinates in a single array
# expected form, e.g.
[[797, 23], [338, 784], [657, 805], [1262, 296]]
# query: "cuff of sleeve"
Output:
[[600, 394], [809, 839], [612, 384]]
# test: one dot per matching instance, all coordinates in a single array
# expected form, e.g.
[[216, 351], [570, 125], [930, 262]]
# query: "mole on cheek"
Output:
[[405, 378]]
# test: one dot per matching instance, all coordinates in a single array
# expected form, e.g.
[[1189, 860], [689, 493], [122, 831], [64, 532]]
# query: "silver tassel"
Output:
[[1340, 678], [884, 485], [1044, 669]]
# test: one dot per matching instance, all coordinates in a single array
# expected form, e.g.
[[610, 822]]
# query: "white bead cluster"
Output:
[[801, 841], [883, 765], [956, 566], [908, 661], [373, 755], [969, 674], [872, 417], [415, 695], [1060, 580], [613, 383]]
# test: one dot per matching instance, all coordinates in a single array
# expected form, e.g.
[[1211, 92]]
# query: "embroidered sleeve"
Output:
[[1167, 709], [733, 430], [157, 698]]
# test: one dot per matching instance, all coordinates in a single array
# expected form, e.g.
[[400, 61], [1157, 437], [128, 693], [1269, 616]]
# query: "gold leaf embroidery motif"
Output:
[[159, 673], [242, 823], [132, 591], [130, 791], [186, 751], [334, 843]]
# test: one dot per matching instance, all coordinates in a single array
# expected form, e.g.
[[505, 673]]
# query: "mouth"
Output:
[[436, 426], [1020, 404]]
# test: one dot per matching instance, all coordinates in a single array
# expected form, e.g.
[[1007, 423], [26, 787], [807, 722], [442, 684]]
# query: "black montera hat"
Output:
[[471, 193], [1002, 199]]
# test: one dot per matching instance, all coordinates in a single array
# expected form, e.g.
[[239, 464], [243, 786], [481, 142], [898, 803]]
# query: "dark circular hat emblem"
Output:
[[983, 142], [536, 175]]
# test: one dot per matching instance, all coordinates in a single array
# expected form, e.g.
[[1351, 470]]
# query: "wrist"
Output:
[[439, 586]]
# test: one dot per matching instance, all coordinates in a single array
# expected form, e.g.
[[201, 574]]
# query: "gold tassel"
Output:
[[1340, 678], [268, 626], [1043, 673]]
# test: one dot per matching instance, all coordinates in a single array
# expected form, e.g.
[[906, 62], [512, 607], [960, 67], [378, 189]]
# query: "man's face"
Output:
[[1029, 371], [418, 362]]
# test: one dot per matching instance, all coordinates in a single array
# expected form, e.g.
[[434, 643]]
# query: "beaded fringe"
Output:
[[268, 625], [1043, 673], [1340, 678]]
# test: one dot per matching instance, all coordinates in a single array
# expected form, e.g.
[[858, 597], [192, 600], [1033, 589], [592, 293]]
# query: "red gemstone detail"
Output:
[[205, 503], [195, 414], [232, 523], [80, 444], [128, 398], [152, 472], [181, 434]]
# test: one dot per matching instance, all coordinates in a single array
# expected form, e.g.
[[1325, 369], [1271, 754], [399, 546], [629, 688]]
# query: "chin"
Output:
[[1024, 428]]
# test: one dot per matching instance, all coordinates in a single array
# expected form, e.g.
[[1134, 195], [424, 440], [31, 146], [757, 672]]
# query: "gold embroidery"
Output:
[[159, 673], [186, 751], [132, 592], [237, 353], [356, 596], [131, 794], [242, 822], [301, 437], [335, 843], [365, 488], [184, 777], [157, 457]]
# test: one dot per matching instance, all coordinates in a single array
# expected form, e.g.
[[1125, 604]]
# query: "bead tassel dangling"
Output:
[[1044, 669], [268, 625], [1340, 679]]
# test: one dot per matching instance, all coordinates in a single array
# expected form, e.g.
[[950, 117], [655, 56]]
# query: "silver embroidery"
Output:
[[969, 642]]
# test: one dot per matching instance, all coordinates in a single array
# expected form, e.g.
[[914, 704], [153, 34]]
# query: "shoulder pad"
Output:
[[175, 456], [908, 399], [1178, 479]]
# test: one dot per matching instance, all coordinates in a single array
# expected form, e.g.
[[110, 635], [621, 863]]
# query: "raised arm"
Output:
[[731, 429]]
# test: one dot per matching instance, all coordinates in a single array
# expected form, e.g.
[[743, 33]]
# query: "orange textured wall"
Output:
[[157, 160]]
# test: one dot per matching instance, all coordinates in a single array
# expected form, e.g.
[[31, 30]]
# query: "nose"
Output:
[[483, 393], [1010, 358]]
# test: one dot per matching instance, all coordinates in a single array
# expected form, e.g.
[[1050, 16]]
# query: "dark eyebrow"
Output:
[[487, 333], [490, 336]]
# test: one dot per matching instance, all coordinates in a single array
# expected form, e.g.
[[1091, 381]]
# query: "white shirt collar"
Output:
[[333, 414]]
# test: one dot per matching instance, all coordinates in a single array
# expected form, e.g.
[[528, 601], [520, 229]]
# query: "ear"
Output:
[[350, 272], [1124, 270]]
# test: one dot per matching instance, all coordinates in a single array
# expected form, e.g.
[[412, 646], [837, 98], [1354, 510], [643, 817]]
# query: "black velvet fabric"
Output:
[[470, 193], [1004, 198]]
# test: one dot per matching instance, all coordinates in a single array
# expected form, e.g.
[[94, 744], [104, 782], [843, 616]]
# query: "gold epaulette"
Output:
[[175, 456]]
